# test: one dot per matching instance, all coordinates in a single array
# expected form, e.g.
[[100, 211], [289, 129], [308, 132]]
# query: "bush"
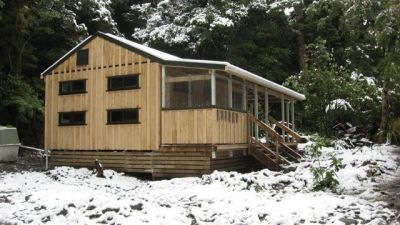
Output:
[[324, 177], [394, 131]]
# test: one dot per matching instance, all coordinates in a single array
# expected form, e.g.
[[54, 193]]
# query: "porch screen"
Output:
[[187, 88]]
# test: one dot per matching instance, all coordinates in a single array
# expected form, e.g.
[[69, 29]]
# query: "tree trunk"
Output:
[[384, 112], [301, 50]]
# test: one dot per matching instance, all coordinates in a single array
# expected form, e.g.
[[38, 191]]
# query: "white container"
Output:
[[9, 144]]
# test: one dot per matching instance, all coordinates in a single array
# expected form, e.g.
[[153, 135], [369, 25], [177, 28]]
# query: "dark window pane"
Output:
[[201, 93], [130, 115], [71, 118], [123, 82], [66, 118], [120, 116], [131, 81], [116, 83], [65, 87], [73, 87], [78, 85], [179, 95], [82, 57], [222, 92]]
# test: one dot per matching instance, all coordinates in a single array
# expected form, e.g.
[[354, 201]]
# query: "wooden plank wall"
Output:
[[105, 59], [203, 126], [166, 163], [191, 126], [126, 161], [231, 127]]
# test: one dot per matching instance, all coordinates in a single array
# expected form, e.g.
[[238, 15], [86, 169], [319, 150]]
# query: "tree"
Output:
[[382, 30]]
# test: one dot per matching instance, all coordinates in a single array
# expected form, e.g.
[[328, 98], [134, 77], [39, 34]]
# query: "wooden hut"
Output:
[[137, 109]]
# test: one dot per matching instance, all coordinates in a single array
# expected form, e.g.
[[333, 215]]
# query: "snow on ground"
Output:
[[66, 195]]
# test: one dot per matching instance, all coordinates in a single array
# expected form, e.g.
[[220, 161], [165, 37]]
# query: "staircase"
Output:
[[275, 152]]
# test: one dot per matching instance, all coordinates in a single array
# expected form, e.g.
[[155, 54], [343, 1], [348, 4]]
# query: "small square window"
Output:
[[82, 57]]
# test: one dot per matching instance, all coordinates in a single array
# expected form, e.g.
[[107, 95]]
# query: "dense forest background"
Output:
[[344, 55]]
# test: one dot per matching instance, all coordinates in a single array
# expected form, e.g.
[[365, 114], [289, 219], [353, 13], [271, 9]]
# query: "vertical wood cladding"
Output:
[[105, 59]]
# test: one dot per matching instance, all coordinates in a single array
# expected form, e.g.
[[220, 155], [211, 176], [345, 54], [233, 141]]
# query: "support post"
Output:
[[47, 159], [283, 115], [244, 96], [292, 115], [287, 118], [230, 90], [190, 95], [163, 88], [213, 88], [266, 109], [256, 108]]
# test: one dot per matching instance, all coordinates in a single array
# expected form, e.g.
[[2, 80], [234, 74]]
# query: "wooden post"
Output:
[[163, 88], [190, 97], [244, 96], [283, 114], [266, 109], [213, 89], [230, 90], [47, 159], [293, 115], [287, 118], [256, 108], [277, 154]]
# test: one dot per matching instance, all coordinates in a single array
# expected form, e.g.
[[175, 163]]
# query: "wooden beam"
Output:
[[265, 127], [292, 103], [256, 107], [163, 88], [287, 117], [230, 91], [286, 129], [188, 78], [244, 96], [266, 110], [266, 102], [283, 113], [213, 88]]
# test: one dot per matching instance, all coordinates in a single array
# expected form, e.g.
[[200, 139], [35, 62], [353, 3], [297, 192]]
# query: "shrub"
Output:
[[324, 176]]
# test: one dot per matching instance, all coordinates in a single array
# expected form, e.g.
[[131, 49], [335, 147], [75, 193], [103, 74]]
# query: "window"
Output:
[[82, 57], [222, 90], [72, 87], [187, 88], [122, 116], [72, 118], [237, 94], [123, 82]]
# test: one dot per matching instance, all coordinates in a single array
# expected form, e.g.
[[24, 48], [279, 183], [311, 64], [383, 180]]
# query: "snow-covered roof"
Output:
[[168, 59]]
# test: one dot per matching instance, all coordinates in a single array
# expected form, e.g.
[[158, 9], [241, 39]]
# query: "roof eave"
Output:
[[264, 82]]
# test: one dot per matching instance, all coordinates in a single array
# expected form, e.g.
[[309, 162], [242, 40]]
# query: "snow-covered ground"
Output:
[[66, 195]]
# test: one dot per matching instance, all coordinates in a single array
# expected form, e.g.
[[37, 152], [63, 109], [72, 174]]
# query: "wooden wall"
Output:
[[105, 59], [191, 126], [203, 126], [231, 127]]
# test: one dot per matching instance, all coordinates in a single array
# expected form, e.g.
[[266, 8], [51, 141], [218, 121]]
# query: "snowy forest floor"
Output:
[[368, 194]]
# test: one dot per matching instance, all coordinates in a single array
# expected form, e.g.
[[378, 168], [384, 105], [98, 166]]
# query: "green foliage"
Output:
[[324, 176], [394, 131]]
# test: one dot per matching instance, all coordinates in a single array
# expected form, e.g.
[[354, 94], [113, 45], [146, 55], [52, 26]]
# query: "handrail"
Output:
[[277, 155], [265, 127], [291, 132]]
